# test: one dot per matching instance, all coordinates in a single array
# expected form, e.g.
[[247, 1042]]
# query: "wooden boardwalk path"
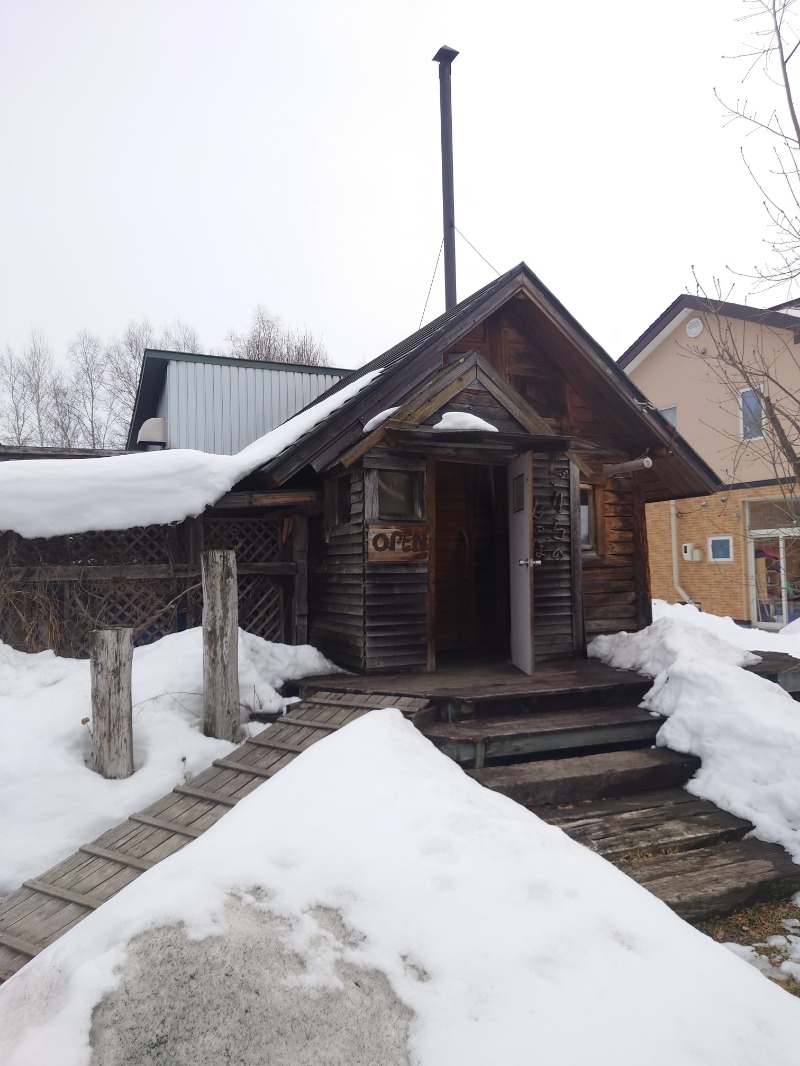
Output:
[[47, 906]]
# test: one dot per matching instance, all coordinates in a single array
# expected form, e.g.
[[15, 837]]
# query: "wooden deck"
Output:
[[467, 679], [471, 681]]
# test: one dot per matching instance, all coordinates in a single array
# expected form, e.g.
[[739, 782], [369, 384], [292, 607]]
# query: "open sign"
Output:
[[397, 544]]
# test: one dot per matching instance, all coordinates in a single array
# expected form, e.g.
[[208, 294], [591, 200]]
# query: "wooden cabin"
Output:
[[452, 498], [465, 505]]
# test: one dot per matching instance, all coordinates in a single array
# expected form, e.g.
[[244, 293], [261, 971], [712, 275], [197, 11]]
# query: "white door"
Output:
[[520, 543]]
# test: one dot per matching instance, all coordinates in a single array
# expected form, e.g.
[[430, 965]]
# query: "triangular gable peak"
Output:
[[542, 356], [465, 386], [683, 309]]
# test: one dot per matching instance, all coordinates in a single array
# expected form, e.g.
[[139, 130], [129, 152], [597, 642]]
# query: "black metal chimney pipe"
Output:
[[444, 57]]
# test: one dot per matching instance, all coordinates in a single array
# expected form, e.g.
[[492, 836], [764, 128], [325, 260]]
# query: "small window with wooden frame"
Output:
[[394, 496], [400, 497], [592, 519], [336, 499]]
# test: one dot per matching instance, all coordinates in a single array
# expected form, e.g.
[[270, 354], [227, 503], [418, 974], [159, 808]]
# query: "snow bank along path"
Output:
[[373, 861], [745, 729], [50, 497], [50, 801]]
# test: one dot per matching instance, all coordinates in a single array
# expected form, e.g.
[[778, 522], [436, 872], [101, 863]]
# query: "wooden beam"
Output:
[[167, 825], [139, 571], [22, 947], [576, 561], [83, 899], [122, 857], [300, 590], [206, 794], [273, 498]]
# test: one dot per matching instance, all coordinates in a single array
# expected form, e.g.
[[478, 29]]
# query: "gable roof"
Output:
[[410, 364], [153, 376], [681, 308]]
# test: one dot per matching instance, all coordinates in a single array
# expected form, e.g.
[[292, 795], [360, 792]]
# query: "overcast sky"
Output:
[[193, 158]]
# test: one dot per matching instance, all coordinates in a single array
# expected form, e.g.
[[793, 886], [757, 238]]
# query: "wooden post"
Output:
[[222, 716], [112, 710], [300, 596]]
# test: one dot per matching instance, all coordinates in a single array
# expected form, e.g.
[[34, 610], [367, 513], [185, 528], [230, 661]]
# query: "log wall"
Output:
[[553, 586], [615, 583], [337, 583]]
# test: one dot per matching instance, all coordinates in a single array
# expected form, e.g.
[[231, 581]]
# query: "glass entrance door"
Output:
[[776, 579]]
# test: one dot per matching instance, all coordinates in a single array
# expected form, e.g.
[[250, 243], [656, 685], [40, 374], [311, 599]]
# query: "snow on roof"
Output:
[[372, 903], [52, 497], [379, 418], [462, 421]]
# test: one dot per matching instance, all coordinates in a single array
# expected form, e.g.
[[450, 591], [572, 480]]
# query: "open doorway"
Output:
[[471, 560]]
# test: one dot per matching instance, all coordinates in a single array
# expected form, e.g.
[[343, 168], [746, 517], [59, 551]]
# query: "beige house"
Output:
[[708, 367]]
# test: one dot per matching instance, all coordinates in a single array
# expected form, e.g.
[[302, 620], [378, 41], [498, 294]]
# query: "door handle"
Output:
[[530, 562]]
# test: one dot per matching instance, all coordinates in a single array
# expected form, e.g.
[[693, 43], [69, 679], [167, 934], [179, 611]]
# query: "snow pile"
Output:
[[373, 862], [745, 729], [50, 801], [779, 955], [461, 421], [48, 497], [655, 649], [786, 641]]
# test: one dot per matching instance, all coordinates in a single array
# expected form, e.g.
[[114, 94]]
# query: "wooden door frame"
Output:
[[430, 503]]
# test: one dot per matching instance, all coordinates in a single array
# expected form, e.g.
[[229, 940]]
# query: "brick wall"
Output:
[[721, 587]]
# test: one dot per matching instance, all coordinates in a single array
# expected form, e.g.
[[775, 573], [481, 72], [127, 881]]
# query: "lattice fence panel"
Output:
[[255, 540], [262, 607], [150, 606], [141, 545]]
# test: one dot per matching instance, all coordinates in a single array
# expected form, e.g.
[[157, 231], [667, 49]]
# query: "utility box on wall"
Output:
[[687, 550]]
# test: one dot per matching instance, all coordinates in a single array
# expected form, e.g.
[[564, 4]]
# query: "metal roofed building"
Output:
[[216, 404]]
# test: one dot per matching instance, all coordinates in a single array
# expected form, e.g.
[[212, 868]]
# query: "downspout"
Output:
[[676, 574]]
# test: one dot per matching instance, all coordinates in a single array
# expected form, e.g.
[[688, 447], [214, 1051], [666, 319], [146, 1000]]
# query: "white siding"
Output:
[[217, 408]]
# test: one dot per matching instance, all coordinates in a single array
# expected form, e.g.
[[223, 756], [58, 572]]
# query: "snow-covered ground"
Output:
[[745, 729], [373, 904], [50, 801]]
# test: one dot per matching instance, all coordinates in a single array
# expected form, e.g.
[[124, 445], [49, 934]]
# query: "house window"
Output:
[[399, 495], [720, 549], [751, 414], [337, 502], [670, 414]]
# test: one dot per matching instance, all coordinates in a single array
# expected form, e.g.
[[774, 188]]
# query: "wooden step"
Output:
[[488, 704], [645, 824], [708, 882], [617, 773], [482, 740]]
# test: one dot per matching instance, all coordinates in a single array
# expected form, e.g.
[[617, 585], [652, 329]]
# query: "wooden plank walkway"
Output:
[[47, 906]]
